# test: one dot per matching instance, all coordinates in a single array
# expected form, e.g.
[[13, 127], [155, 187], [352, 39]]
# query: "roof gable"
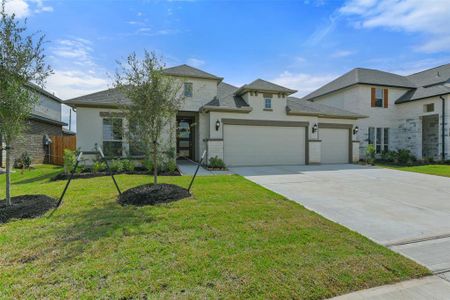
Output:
[[265, 86], [188, 71], [362, 76]]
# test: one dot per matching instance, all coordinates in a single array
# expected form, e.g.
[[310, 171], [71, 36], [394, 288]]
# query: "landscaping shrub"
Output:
[[216, 163], [70, 160], [23, 162], [404, 156], [148, 164], [98, 166], [171, 166], [370, 154], [128, 165], [116, 165], [389, 156]]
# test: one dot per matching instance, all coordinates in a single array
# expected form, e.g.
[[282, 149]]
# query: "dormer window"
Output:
[[188, 89], [267, 103]]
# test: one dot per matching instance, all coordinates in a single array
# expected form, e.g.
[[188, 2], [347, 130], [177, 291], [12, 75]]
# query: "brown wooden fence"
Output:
[[59, 143]]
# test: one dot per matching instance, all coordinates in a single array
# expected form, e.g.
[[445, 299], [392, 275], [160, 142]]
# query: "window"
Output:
[[379, 137], [428, 107], [135, 145], [188, 89], [267, 103], [379, 97], [386, 140], [112, 136], [371, 139]]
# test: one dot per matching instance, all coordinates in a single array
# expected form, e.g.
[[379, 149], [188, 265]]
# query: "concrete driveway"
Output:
[[408, 212]]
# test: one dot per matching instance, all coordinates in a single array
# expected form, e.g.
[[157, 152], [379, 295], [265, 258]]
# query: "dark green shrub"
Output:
[[128, 165], [216, 163], [404, 156], [148, 164], [171, 166], [116, 165], [389, 156], [23, 162], [370, 154]]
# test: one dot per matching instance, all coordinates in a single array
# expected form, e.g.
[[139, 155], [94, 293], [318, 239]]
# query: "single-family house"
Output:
[[44, 122], [404, 112], [256, 124]]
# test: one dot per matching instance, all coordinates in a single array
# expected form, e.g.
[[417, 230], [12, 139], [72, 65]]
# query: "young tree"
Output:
[[22, 64], [153, 100]]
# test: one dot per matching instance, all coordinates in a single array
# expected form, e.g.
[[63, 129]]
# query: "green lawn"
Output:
[[232, 239], [440, 170]]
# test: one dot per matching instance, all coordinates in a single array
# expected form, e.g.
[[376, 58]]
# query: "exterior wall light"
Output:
[[314, 128], [355, 130], [217, 125]]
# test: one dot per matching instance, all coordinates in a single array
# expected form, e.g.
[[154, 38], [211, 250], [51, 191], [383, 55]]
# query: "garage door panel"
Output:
[[263, 145], [335, 145]]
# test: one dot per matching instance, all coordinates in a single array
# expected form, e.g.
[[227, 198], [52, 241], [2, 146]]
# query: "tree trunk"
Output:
[[8, 176], [155, 163]]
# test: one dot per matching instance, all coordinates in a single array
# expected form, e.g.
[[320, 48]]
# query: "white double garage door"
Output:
[[252, 143]]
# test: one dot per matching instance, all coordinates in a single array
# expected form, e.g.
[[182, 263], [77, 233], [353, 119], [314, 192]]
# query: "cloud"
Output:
[[18, 7], [321, 32], [429, 18], [342, 53], [302, 82], [25, 8], [195, 62]]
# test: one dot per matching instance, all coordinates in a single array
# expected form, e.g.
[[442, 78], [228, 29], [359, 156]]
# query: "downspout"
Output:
[[443, 128]]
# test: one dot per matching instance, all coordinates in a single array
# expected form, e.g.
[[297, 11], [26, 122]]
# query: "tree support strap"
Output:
[[98, 152]]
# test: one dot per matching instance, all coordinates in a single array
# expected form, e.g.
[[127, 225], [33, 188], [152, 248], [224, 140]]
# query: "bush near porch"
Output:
[[231, 239]]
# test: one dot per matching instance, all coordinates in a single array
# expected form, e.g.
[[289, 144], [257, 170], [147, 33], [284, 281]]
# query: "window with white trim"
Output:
[[379, 137], [268, 103], [113, 137], [379, 97], [188, 90]]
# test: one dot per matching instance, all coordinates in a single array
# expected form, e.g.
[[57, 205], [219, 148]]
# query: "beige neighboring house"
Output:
[[404, 112], [45, 121], [255, 124]]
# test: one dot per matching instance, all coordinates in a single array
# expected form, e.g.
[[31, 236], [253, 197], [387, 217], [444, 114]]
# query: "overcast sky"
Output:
[[299, 44]]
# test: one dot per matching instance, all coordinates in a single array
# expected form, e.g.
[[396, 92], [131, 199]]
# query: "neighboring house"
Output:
[[45, 121], [404, 112], [256, 124]]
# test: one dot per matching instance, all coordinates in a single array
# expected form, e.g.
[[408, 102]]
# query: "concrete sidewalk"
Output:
[[428, 288]]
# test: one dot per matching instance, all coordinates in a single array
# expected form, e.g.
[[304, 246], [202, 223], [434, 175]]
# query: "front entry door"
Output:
[[185, 137]]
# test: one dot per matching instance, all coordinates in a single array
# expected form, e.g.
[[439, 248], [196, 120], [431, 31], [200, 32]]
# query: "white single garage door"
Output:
[[246, 145], [335, 145]]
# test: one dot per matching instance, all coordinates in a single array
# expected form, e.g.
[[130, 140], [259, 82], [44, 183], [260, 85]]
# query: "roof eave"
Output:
[[208, 108], [323, 115], [421, 98], [244, 90]]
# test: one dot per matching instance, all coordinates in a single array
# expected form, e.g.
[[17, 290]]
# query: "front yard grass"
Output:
[[440, 170], [232, 239]]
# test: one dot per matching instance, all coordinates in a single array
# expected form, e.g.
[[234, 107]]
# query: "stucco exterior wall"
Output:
[[203, 91], [90, 129], [403, 120]]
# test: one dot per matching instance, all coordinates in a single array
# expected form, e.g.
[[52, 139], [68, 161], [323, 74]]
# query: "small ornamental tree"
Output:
[[22, 64], [153, 100]]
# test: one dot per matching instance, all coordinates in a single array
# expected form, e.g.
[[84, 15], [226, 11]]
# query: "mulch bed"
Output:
[[63, 176], [149, 194], [25, 207]]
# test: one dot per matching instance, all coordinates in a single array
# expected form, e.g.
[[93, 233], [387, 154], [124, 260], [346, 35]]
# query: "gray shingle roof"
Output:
[[300, 106], [363, 76], [188, 71], [431, 76], [106, 98], [265, 86], [422, 92], [44, 92], [226, 97]]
